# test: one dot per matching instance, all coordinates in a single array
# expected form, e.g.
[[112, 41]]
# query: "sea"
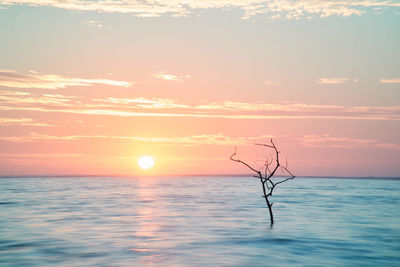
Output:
[[198, 221]]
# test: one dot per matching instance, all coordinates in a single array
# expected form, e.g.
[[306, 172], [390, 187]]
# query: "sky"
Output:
[[87, 87]]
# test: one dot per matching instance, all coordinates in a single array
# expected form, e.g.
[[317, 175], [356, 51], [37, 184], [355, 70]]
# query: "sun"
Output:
[[145, 162]]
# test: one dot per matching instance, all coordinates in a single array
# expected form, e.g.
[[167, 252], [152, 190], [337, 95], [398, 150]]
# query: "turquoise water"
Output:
[[198, 221]]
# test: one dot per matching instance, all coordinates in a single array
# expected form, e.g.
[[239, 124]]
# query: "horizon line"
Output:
[[193, 176]]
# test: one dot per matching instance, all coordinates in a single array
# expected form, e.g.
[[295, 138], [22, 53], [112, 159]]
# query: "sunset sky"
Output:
[[87, 87]]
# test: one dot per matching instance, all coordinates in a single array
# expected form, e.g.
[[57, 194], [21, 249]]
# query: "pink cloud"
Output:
[[12, 79]]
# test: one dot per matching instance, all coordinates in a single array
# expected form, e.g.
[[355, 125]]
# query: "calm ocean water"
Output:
[[199, 221]]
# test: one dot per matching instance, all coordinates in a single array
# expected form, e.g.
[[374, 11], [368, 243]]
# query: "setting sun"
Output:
[[145, 162]]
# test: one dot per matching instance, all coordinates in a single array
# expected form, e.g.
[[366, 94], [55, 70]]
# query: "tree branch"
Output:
[[244, 163], [268, 174]]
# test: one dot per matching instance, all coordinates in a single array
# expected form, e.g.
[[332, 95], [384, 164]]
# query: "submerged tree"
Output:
[[268, 174]]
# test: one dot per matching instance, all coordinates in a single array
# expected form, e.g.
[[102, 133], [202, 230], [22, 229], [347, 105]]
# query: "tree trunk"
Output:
[[270, 211], [269, 205]]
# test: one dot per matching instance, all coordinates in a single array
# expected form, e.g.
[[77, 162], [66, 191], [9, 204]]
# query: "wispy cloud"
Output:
[[272, 83], [29, 99], [170, 77], [141, 102], [335, 80], [21, 122], [93, 23], [259, 106], [270, 8], [317, 141], [391, 81], [143, 107], [326, 141], [193, 140], [13, 79], [14, 93]]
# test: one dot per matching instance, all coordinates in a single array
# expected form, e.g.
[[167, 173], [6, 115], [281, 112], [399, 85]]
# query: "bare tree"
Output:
[[268, 174]]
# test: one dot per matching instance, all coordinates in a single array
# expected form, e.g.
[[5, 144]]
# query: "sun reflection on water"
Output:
[[147, 225]]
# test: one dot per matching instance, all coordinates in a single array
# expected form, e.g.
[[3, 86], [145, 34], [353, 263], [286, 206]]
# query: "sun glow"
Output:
[[145, 162]]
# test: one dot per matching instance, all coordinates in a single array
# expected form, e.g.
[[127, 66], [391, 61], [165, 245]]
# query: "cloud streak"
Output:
[[170, 77], [13, 79], [93, 23], [272, 83], [390, 81], [143, 107], [326, 140], [316, 141], [330, 81], [193, 140], [141, 102], [270, 8], [21, 122], [34, 100]]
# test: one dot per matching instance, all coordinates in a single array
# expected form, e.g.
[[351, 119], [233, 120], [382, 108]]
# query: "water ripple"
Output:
[[158, 221]]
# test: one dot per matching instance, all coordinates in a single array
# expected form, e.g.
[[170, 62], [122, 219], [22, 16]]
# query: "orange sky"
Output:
[[84, 92]]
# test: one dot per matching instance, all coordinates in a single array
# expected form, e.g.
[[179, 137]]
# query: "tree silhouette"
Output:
[[268, 174]]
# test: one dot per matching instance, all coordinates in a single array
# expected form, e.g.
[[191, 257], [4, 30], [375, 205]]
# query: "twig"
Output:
[[268, 185]]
